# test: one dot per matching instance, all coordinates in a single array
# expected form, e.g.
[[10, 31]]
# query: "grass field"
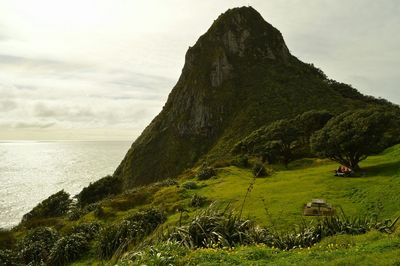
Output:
[[284, 193]]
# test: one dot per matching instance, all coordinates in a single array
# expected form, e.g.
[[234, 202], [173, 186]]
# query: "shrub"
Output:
[[9, 257], [89, 230], [7, 239], [162, 254], [68, 249], [307, 236], [197, 201], [259, 170], [205, 173], [75, 213], [99, 212], [241, 161], [135, 227], [189, 185], [36, 245], [54, 206], [166, 183], [99, 190], [215, 228]]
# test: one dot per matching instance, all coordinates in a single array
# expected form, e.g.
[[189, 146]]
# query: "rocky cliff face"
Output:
[[238, 76]]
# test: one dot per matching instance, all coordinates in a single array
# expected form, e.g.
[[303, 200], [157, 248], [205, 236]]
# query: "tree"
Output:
[[354, 135], [311, 121], [271, 143]]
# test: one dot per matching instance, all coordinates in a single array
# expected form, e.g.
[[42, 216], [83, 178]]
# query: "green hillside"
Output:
[[274, 202]]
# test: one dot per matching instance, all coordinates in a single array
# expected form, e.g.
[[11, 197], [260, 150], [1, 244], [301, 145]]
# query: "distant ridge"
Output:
[[239, 76]]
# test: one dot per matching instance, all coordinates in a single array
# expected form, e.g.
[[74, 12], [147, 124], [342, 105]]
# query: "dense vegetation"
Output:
[[56, 205], [283, 140], [100, 189]]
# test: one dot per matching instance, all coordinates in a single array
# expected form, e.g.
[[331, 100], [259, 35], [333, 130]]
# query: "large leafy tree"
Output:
[[354, 135], [284, 139], [273, 142]]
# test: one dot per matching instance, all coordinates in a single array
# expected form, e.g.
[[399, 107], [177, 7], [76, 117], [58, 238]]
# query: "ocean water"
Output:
[[32, 171]]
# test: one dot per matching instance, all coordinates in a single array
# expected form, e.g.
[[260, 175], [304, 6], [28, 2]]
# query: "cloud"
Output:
[[23, 125], [7, 105]]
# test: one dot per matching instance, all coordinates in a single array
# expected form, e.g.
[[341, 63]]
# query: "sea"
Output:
[[31, 171]]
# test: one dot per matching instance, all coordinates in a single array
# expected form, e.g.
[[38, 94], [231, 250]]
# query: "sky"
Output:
[[101, 70]]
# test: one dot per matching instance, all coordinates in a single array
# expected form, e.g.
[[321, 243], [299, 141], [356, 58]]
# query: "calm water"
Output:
[[32, 171]]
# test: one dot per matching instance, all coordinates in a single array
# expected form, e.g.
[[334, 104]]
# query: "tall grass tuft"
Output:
[[217, 228], [119, 236], [67, 249]]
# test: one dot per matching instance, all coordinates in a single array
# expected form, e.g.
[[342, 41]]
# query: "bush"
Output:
[[7, 239], [190, 185], [89, 230], [166, 183], [205, 173], [75, 213], [135, 227], [99, 212], [197, 201], [161, 254], [259, 170], [9, 257], [215, 228], [241, 161], [54, 206], [99, 190], [36, 245], [68, 249]]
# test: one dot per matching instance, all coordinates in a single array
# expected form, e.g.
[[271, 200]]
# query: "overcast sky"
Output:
[[73, 69]]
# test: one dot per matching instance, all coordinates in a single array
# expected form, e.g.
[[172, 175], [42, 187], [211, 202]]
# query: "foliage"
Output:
[[89, 230], [67, 249], [7, 239], [309, 122], [99, 190], [54, 206], [216, 228], [352, 136], [161, 254], [198, 201], [99, 212], [241, 161], [307, 236], [284, 139], [259, 170], [75, 213], [133, 228], [36, 245], [189, 185], [9, 257], [205, 172]]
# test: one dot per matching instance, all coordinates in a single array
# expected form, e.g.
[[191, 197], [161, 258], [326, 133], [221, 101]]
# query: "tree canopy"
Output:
[[354, 135], [279, 140]]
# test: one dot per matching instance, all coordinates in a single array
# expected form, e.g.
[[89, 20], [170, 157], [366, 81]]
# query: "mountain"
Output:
[[239, 76]]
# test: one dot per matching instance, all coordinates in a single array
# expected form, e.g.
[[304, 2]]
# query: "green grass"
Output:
[[285, 192]]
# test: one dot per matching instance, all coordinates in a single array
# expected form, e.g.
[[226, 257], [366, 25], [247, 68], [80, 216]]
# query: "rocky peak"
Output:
[[243, 31]]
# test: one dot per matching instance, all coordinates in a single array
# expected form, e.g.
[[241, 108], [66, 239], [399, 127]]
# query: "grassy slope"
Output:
[[284, 194], [286, 191]]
